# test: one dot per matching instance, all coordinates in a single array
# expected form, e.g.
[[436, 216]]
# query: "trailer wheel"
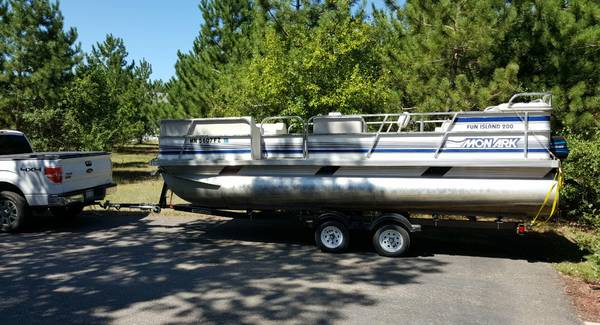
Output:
[[391, 240], [67, 212], [13, 211], [332, 237]]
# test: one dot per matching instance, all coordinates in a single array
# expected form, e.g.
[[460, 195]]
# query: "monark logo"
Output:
[[490, 143]]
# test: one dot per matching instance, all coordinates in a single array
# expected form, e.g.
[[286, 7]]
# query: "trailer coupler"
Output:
[[139, 206]]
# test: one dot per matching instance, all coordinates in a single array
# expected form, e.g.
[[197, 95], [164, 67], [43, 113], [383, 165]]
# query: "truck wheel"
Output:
[[13, 211], [391, 240], [67, 212], [332, 237]]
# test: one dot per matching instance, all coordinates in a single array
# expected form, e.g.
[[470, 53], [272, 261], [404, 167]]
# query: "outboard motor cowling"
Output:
[[559, 147]]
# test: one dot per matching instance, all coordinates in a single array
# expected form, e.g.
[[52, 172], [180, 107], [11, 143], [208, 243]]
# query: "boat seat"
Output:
[[403, 121], [335, 123], [273, 128]]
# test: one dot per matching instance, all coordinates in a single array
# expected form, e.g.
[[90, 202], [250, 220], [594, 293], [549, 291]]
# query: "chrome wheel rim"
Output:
[[8, 213], [332, 237], [391, 240]]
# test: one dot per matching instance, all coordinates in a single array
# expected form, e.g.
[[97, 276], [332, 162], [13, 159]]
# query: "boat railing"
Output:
[[545, 97], [254, 138], [293, 118], [441, 123], [404, 122]]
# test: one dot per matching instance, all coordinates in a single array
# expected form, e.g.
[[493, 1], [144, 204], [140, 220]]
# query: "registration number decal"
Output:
[[208, 140]]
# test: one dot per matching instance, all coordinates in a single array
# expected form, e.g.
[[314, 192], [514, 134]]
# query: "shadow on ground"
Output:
[[533, 247], [109, 265]]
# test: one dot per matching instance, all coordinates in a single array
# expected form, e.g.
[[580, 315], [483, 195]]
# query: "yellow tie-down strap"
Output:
[[557, 183]]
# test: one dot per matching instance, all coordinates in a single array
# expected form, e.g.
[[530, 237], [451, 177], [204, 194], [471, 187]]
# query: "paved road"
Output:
[[129, 268]]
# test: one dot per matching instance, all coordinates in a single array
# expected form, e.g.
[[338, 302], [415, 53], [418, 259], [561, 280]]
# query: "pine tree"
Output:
[[224, 39], [112, 101], [36, 62], [557, 46], [439, 55]]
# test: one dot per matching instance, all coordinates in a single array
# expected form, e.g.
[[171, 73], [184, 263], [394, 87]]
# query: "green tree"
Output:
[[112, 101], [224, 39], [37, 57], [557, 46], [304, 60], [439, 55], [312, 68]]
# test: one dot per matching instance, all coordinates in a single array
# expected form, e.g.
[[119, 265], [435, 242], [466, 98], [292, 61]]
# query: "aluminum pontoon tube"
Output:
[[520, 197]]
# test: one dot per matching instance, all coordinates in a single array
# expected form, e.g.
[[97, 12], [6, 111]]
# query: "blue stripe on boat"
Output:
[[493, 150], [200, 152], [367, 150], [283, 151], [539, 118], [398, 150], [416, 150]]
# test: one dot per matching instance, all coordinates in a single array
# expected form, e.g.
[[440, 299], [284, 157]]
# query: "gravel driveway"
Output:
[[131, 268]]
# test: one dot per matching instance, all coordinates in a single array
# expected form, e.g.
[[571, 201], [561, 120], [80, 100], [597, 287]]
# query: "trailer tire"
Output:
[[391, 240], [14, 211], [67, 212], [332, 237]]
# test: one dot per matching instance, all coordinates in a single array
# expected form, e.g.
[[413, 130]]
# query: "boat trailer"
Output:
[[413, 223]]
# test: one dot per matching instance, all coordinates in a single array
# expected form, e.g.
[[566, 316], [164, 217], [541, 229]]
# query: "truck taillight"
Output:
[[54, 174]]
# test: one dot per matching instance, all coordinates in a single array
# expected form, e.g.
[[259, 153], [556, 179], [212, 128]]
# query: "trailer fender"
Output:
[[327, 216], [394, 218]]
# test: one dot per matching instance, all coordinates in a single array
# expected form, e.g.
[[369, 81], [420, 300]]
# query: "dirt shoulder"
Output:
[[585, 297]]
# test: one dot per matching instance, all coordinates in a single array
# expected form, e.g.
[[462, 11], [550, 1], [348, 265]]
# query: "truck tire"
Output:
[[332, 237], [391, 240], [67, 212], [13, 211]]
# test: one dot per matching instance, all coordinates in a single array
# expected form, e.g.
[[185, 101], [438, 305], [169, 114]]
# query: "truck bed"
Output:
[[52, 155]]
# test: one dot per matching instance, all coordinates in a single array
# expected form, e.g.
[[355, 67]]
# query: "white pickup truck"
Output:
[[63, 182]]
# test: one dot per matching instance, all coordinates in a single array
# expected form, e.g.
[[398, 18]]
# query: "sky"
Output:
[[152, 29]]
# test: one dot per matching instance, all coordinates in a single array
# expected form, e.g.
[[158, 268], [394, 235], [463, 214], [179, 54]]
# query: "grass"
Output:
[[584, 269], [131, 164], [137, 181]]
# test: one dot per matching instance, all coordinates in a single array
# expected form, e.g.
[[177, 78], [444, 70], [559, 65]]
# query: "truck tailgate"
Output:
[[85, 171]]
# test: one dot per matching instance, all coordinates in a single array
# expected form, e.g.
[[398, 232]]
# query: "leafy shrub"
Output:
[[581, 192], [594, 247]]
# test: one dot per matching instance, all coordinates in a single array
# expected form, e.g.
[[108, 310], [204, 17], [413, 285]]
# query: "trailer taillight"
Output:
[[54, 174]]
